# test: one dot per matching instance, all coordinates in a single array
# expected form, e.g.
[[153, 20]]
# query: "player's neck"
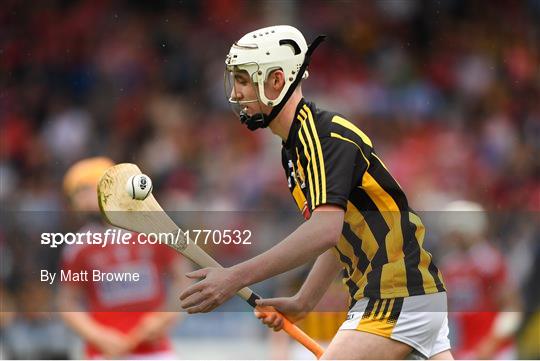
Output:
[[281, 124]]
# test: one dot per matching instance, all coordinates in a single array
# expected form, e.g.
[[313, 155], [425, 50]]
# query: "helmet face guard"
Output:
[[255, 56], [238, 81]]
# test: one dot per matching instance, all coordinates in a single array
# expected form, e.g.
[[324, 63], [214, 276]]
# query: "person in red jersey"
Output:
[[479, 288], [120, 318]]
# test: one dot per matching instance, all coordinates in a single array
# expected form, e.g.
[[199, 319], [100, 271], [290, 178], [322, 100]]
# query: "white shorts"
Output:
[[418, 321]]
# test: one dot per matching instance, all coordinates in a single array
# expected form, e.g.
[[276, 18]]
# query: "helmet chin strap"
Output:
[[256, 121], [261, 120]]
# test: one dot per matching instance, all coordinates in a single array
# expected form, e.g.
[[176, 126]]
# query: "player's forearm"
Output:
[[153, 326], [167, 319], [309, 241], [322, 274]]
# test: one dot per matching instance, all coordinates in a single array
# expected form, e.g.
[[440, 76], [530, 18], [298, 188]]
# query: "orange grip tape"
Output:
[[295, 332]]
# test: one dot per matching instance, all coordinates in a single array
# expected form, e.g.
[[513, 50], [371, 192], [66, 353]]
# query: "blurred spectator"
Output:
[[128, 319], [483, 303], [529, 333], [36, 332]]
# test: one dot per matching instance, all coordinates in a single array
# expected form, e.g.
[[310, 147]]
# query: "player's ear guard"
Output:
[[261, 120]]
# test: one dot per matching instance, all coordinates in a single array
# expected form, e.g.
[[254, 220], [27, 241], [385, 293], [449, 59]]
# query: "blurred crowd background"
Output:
[[449, 92]]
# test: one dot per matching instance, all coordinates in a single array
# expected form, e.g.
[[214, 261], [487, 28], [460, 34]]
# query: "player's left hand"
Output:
[[486, 349], [217, 285], [151, 327]]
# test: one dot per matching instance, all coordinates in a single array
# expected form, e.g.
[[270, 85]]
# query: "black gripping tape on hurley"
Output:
[[251, 300]]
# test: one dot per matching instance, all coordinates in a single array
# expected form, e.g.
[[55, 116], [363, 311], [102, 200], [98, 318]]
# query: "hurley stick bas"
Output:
[[146, 216]]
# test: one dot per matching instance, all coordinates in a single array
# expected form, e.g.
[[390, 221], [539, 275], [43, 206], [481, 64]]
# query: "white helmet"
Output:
[[464, 217], [262, 51]]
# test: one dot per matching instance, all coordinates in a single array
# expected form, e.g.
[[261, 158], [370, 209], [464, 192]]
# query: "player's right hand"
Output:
[[290, 307], [112, 343]]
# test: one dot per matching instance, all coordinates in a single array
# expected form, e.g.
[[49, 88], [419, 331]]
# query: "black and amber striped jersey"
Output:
[[328, 160]]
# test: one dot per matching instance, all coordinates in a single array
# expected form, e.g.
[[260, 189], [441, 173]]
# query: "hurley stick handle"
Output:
[[295, 332]]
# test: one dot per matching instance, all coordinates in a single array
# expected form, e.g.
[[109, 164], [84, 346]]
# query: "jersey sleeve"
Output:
[[335, 170]]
